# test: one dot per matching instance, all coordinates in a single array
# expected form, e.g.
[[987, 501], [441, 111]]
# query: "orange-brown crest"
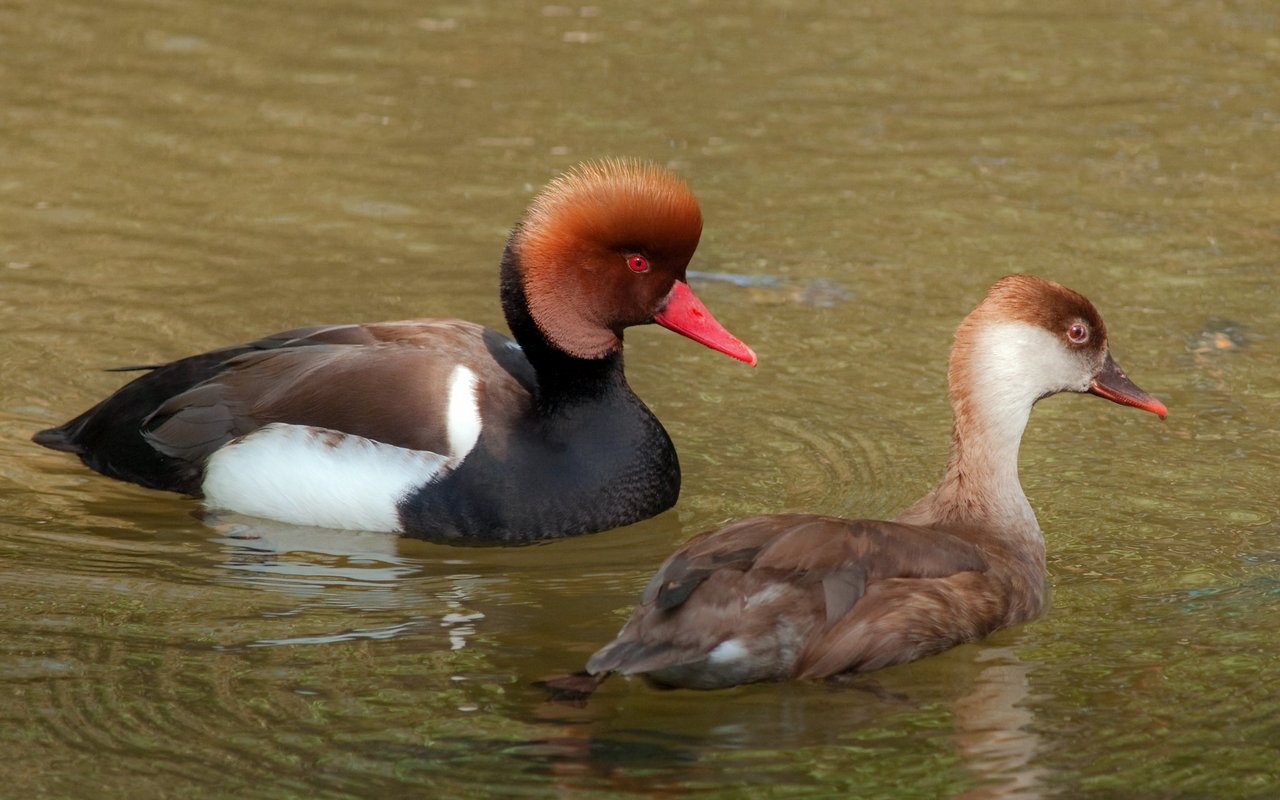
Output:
[[573, 243]]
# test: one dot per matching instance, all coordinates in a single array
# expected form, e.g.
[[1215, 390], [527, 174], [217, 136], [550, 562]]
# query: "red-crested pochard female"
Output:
[[441, 428], [803, 596]]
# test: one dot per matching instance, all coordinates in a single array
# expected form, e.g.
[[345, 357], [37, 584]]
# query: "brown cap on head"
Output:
[[1066, 315], [1052, 306]]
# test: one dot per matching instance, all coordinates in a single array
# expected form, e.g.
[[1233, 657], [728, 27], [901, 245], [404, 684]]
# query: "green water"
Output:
[[177, 174]]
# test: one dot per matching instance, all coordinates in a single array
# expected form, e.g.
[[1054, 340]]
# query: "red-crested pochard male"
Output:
[[804, 596], [441, 428]]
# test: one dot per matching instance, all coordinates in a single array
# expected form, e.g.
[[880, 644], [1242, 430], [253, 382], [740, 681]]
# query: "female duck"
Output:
[[442, 428], [803, 596]]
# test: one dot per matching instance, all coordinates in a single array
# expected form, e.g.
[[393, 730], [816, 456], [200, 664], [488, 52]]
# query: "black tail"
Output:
[[59, 438], [108, 437]]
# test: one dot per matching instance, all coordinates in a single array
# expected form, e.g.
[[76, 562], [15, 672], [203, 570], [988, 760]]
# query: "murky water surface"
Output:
[[181, 174]]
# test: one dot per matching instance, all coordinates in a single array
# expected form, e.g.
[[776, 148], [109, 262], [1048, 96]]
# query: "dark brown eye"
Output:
[[1078, 333], [638, 263]]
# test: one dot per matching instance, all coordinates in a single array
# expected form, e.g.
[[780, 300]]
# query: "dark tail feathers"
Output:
[[57, 439]]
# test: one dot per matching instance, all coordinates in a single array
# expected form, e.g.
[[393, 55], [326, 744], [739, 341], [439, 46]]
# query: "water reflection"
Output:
[[996, 729], [975, 702], [308, 560], [387, 632], [359, 570]]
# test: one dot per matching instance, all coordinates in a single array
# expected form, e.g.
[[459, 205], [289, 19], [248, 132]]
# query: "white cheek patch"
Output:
[[1016, 363], [305, 475]]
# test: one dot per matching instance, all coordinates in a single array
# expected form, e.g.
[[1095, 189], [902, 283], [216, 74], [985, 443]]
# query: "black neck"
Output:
[[592, 457], [562, 378]]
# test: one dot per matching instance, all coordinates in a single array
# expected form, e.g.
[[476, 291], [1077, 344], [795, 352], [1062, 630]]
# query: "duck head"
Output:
[[605, 247], [1031, 338]]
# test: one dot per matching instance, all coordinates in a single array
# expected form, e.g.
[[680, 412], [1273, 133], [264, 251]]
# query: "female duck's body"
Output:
[[805, 596]]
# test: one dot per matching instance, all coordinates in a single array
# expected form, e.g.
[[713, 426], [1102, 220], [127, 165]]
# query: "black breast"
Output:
[[582, 468]]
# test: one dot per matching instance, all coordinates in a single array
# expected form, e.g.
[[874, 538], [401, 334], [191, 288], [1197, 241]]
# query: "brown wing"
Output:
[[900, 620], [384, 381], [813, 548], [771, 583]]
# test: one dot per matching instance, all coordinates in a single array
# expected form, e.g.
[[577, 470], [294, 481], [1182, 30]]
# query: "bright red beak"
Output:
[[685, 314], [1114, 385]]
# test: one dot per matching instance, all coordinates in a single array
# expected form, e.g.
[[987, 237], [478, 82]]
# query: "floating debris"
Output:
[[823, 293], [744, 281], [1219, 335], [771, 289]]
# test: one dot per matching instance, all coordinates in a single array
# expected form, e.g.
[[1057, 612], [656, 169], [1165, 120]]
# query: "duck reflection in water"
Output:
[[366, 571], [972, 716]]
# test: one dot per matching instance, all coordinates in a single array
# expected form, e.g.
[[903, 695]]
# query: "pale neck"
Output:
[[992, 393], [980, 485]]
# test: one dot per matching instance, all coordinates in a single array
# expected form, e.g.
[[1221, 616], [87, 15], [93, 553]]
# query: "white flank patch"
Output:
[[314, 476], [727, 653]]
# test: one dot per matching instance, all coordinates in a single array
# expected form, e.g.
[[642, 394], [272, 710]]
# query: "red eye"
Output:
[[1078, 333], [638, 263]]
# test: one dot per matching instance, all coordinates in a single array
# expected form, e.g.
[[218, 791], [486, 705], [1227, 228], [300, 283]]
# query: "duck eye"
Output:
[[638, 263], [1078, 333]]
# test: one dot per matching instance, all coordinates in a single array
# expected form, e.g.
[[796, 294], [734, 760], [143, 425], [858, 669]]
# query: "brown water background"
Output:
[[180, 174]]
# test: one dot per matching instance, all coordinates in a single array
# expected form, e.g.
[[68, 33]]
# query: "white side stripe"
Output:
[[463, 416]]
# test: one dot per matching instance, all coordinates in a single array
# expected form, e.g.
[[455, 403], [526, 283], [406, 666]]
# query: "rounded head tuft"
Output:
[[613, 203], [580, 233]]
